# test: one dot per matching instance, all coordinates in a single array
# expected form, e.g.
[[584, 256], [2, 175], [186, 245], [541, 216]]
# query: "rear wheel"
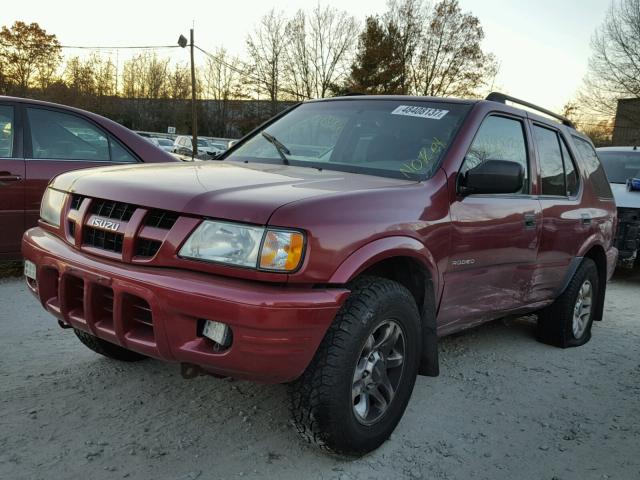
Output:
[[354, 392], [567, 322], [107, 349]]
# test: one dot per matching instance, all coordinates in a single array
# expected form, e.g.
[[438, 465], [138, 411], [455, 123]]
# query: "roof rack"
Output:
[[502, 98]]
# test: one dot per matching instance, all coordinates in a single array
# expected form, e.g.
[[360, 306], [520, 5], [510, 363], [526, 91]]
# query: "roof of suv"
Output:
[[531, 111]]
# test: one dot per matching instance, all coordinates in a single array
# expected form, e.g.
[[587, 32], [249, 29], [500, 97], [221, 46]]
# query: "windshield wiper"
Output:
[[280, 147]]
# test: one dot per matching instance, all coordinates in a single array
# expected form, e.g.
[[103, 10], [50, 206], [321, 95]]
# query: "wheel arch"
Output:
[[599, 257], [408, 262], [597, 254]]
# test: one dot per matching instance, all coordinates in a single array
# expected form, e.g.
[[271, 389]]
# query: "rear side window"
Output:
[[62, 136], [593, 168], [6, 131], [551, 162], [570, 173], [499, 138]]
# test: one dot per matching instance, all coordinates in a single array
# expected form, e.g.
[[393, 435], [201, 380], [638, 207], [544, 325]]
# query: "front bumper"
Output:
[[157, 311]]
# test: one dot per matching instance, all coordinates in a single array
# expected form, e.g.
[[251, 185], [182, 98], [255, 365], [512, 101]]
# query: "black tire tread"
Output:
[[555, 321], [314, 388]]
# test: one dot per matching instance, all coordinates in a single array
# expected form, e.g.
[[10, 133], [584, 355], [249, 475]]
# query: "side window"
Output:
[[63, 136], [570, 174], [551, 163], [6, 131], [593, 168], [119, 153], [499, 138]]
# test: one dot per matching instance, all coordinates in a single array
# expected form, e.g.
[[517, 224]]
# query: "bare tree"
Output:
[[451, 61], [179, 82], [319, 49], [145, 76], [614, 66], [222, 82], [27, 51], [266, 48]]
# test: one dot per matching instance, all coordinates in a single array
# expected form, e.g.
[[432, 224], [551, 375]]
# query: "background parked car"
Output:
[[622, 165], [39, 140], [162, 143], [183, 146]]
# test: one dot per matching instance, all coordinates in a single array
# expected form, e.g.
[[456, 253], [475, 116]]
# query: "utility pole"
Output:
[[194, 114]]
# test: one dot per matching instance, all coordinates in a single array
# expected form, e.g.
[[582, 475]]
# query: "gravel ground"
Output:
[[504, 407]]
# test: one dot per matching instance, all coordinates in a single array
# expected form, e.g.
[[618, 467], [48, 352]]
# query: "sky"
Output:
[[542, 45]]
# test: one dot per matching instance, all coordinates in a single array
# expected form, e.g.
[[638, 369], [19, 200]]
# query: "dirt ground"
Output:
[[504, 407]]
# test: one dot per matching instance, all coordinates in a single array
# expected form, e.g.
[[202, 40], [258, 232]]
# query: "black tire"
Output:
[[108, 349], [556, 322], [322, 405]]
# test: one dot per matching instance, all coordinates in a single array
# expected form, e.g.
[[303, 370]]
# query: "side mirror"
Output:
[[492, 176]]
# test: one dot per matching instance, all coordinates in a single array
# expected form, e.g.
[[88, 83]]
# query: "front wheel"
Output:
[[356, 389], [567, 322]]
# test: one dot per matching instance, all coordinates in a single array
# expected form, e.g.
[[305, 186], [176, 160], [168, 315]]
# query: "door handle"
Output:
[[10, 178], [586, 219], [530, 220]]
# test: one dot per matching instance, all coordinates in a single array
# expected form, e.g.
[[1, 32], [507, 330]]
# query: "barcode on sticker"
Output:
[[422, 112]]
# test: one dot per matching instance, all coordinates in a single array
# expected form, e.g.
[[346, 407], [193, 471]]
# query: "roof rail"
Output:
[[502, 98]]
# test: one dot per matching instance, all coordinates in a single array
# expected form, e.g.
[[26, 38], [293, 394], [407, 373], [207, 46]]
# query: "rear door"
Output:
[[494, 240], [58, 141], [565, 222], [12, 174]]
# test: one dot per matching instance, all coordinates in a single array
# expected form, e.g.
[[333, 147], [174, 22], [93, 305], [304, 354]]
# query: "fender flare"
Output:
[[403, 246]]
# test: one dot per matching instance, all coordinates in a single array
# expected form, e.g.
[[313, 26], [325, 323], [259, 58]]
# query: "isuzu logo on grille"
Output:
[[105, 224]]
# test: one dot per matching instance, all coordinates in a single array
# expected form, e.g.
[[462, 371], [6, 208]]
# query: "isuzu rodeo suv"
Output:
[[331, 247]]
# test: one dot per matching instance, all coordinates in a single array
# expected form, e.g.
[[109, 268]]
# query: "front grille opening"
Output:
[[72, 228], [147, 248], [74, 296], [103, 306], [113, 210], [138, 317], [103, 240], [160, 219], [76, 201]]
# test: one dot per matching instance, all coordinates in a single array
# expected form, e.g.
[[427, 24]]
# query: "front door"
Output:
[[494, 238], [12, 175]]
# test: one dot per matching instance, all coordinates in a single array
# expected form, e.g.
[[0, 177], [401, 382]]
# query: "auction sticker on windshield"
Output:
[[422, 112]]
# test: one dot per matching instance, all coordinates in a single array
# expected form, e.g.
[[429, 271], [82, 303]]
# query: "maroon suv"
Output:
[[331, 247], [39, 140]]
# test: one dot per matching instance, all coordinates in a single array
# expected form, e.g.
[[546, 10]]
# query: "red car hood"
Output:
[[247, 193]]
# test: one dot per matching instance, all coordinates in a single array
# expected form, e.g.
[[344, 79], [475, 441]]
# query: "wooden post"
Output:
[[194, 114]]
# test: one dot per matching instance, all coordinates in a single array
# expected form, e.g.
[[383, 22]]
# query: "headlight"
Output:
[[51, 206], [241, 245]]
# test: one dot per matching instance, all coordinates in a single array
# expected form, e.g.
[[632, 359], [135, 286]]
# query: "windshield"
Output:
[[203, 143], [620, 166], [392, 138], [165, 142]]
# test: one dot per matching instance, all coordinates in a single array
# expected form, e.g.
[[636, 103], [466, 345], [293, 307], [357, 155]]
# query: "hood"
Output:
[[226, 190], [625, 198]]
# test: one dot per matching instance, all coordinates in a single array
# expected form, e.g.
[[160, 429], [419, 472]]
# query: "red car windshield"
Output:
[[392, 138]]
